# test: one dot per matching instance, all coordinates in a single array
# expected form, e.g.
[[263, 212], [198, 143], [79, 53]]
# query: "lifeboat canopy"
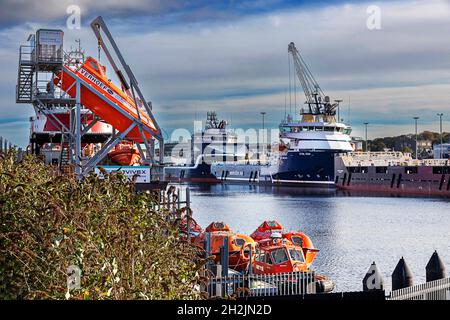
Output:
[[217, 226], [270, 225]]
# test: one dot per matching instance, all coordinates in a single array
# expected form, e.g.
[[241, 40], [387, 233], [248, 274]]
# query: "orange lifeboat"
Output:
[[267, 228], [238, 245], [278, 254], [124, 154], [98, 94]]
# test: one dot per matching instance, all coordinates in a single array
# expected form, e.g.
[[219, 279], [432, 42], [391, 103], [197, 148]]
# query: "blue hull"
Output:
[[200, 174], [306, 167], [300, 169]]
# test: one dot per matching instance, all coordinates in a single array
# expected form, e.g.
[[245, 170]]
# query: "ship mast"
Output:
[[317, 101]]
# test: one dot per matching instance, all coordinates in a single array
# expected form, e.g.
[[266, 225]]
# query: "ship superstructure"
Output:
[[212, 144], [307, 145]]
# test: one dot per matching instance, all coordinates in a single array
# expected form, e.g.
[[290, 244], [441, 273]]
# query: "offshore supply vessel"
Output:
[[392, 172], [307, 146], [213, 143]]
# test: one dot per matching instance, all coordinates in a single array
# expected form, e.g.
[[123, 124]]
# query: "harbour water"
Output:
[[350, 231]]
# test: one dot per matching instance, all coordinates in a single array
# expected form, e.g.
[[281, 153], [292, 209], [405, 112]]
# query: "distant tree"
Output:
[[378, 145], [407, 150]]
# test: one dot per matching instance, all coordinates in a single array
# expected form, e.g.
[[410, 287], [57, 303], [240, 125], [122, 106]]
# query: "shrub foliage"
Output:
[[124, 248]]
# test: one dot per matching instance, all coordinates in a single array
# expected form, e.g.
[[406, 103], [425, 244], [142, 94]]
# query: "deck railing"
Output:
[[261, 285], [433, 290]]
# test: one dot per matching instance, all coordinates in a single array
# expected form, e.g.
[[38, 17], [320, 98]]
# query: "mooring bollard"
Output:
[[435, 268], [402, 276], [373, 279]]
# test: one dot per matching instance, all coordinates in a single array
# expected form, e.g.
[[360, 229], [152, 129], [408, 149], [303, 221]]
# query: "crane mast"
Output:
[[317, 101]]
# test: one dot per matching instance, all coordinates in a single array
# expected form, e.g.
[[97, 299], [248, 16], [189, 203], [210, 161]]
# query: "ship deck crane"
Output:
[[317, 101]]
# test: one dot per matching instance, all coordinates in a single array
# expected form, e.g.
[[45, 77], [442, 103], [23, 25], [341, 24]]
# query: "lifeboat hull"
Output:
[[125, 157], [97, 94]]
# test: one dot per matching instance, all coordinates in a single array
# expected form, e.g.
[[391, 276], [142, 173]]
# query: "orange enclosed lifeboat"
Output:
[[98, 94], [267, 228], [125, 154], [238, 245]]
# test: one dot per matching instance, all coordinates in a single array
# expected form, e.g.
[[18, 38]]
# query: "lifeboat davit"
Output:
[[99, 94], [125, 154], [267, 228], [238, 245]]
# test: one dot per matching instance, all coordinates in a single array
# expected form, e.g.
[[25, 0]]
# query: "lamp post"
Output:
[[441, 149], [264, 138], [366, 124], [338, 109], [263, 115], [415, 123]]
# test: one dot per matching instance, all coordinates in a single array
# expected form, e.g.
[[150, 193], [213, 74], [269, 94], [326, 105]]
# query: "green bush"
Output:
[[124, 248]]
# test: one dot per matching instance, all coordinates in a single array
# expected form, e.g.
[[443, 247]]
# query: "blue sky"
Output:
[[231, 56]]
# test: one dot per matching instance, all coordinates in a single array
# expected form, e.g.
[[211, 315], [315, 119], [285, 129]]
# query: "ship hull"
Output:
[[199, 174], [306, 168], [394, 180]]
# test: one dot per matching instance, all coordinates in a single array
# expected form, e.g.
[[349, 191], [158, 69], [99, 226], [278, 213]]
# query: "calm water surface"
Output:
[[350, 232]]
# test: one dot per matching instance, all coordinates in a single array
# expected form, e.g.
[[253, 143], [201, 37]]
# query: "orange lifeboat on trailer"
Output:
[[238, 245], [100, 96], [124, 154], [267, 228]]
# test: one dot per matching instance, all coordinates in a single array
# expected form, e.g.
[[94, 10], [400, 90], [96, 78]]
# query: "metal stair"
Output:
[[24, 92]]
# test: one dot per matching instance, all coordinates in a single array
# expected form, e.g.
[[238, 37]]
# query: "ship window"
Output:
[[94, 65], [437, 170], [381, 169], [297, 240], [239, 241], [411, 170], [258, 255], [268, 259], [329, 128], [358, 169], [279, 256], [296, 255]]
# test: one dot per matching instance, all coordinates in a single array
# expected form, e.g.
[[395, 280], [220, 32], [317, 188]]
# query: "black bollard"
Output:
[[402, 276], [435, 268], [373, 279]]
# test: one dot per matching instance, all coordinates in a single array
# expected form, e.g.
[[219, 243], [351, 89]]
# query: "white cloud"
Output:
[[240, 67]]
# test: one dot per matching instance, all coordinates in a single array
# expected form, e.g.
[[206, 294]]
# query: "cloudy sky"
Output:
[[231, 56]]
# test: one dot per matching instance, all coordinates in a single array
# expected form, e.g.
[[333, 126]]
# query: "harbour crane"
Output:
[[317, 101]]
